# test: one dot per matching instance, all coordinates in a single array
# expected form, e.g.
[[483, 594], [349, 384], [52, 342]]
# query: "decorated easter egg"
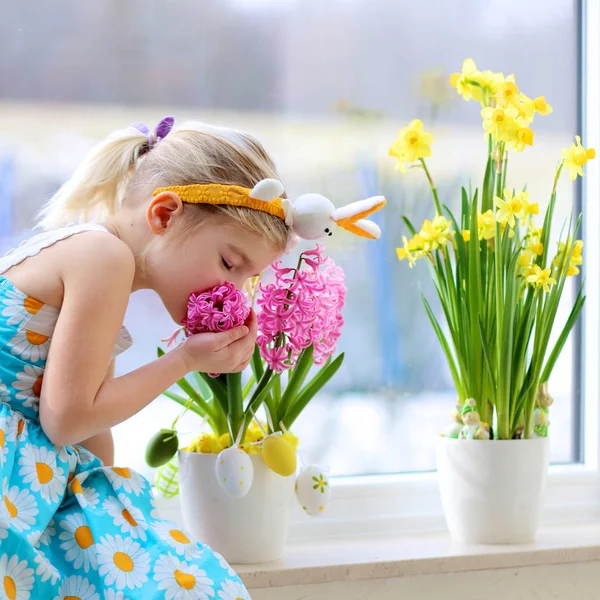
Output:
[[234, 472], [279, 455], [313, 490], [162, 447]]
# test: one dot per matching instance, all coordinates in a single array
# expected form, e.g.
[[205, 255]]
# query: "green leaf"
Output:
[[249, 385], [487, 192], [445, 346], [301, 370], [311, 389], [465, 214], [204, 390], [219, 391], [409, 226], [486, 352], [234, 397], [564, 334], [185, 402], [188, 389], [261, 393], [257, 365]]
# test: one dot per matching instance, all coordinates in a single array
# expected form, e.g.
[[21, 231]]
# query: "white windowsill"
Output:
[[339, 560], [569, 534]]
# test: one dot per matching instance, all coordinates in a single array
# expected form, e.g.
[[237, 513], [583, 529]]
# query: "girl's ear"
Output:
[[161, 210]]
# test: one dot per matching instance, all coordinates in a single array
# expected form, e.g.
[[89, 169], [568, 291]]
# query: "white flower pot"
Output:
[[492, 491], [251, 529]]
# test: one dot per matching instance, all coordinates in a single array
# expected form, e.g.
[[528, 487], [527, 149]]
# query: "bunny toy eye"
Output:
[[328, 232]]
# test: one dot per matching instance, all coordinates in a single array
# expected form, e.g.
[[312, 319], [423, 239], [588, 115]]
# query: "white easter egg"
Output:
[[313, 490], [234, 472]]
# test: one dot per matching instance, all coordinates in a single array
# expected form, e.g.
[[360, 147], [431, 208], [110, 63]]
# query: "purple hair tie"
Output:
[[160, 132]]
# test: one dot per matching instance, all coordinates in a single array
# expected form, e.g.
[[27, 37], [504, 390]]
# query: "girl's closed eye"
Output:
[[227, 265]]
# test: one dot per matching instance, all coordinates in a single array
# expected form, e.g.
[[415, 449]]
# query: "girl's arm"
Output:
[[102, 444], [76, 401]]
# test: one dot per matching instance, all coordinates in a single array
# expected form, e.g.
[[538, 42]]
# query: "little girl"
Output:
[[71, 525]]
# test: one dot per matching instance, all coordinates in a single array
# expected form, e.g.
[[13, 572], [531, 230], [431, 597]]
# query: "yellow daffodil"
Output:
[[536, 247], [524, 262], [528, 209], [576, 256], [541, 106], [405, 253], [525, 109], [436, 234], [508, 93], [525, 259], [540, 278], [466, 235], [486, 225], [463, 82], [412, 144], [575, 157], [508, 209], [533, 231], [519, 138], [499, 121]]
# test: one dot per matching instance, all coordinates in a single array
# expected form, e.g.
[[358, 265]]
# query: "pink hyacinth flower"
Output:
[[302, 307], [219, 309]]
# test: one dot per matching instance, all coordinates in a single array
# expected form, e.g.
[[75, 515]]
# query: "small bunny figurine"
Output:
[[470, 419], [453, 430], [312, 216], [540, 414]]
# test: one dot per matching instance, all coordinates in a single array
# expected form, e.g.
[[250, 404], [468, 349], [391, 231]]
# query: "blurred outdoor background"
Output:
[[325, 85]]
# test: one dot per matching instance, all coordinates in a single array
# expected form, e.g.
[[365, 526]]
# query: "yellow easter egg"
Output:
[[279, 456]]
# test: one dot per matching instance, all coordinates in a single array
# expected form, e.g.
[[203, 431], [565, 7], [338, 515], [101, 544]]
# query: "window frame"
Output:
[[410, 503]]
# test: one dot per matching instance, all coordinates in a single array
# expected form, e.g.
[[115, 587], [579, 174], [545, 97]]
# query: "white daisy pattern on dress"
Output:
[[122, 562], [29, 383], [111, 594], [4, 527], [3, 442], [78, 542], [4, 393], [182, 581], [39, 468], [86, 496], [127, 516], [16, 577], [176, 538], [29, 345], [48, 534], [126, 479], [233, 590], [45, 569], [18, 306], [77, 587], [12, 427], [18, 506], [224, 564], [85, 456]]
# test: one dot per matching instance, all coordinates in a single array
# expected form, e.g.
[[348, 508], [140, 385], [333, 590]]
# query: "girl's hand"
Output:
[[223, 352]]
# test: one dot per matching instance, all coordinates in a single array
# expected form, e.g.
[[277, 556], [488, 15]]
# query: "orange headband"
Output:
[[311, 216]]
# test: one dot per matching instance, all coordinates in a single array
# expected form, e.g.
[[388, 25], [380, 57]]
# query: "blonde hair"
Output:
[[120, 171]]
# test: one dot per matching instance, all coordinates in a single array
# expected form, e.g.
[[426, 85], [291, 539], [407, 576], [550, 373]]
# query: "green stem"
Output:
[[436, 200]]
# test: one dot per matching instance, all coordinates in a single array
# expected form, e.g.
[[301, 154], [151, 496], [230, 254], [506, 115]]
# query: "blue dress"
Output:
[[71, 528]]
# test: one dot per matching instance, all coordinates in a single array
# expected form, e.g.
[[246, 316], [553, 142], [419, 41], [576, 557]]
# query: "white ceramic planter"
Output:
[[251, 529], [492, 491]]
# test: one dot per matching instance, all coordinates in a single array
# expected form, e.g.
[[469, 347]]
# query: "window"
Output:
[[325, 85]]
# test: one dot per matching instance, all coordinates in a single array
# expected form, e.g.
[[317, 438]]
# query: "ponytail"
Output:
[[96, 189]]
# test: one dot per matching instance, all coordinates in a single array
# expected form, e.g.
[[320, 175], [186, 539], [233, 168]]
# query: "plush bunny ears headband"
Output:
[[310, 216]]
